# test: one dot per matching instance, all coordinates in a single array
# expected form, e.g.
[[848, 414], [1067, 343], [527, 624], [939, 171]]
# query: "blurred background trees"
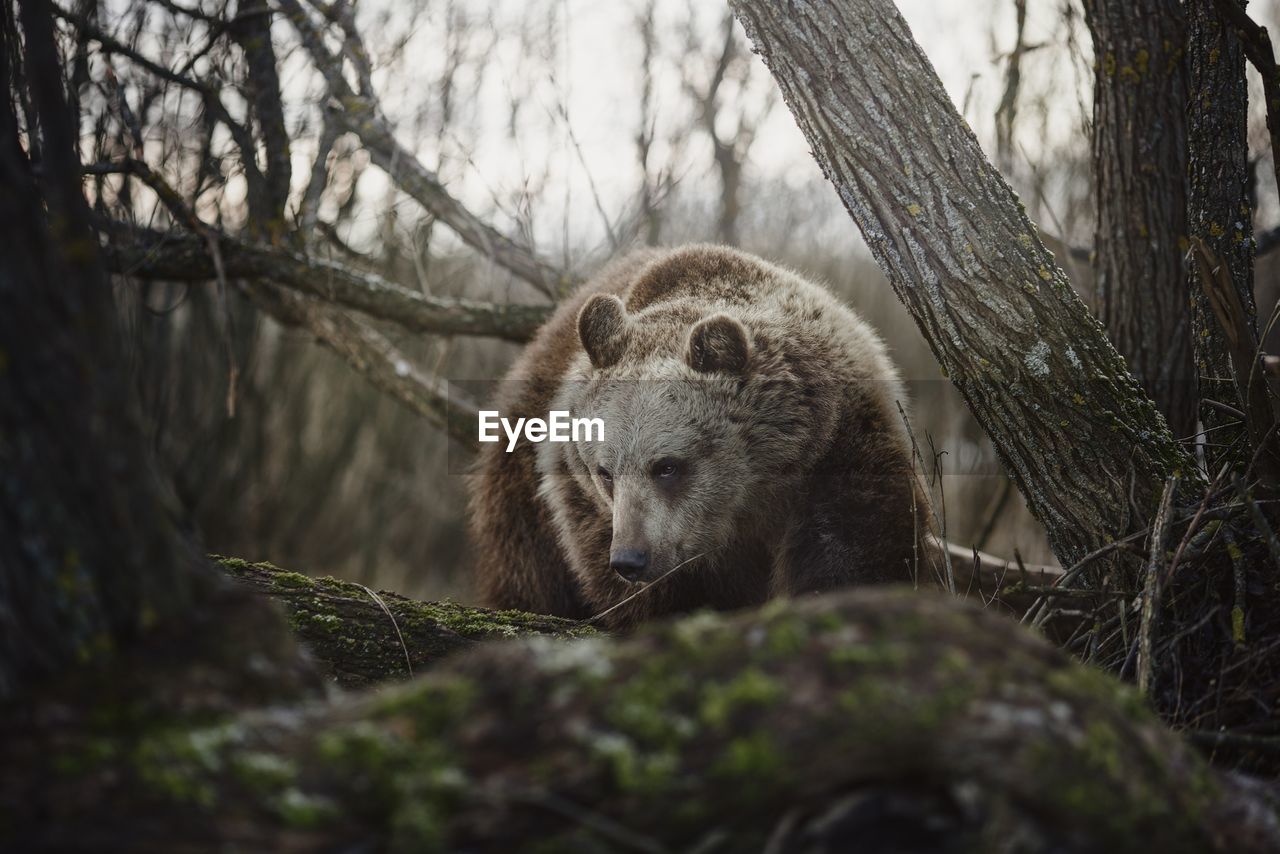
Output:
[[498, 151]]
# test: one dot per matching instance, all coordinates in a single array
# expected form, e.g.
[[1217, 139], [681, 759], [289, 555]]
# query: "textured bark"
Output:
[[359, 637], [1219, 211], [148, 255], [251, 29], [93, 559], [1255, 41], [823, 726], [1077, 433], [1140, 167]]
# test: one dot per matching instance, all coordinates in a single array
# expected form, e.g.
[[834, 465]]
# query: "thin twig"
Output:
[[648, 586], [603, 825], [939, 520], [1151, 592], [392, 617], [1238, 576], [1260, 521], [1191, 529]]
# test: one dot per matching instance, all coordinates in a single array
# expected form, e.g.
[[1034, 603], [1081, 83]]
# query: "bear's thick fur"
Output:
[[752, 448]]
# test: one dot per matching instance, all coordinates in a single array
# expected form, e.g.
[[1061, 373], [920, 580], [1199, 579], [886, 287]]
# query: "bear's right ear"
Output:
[[718, 344], [602, 328]]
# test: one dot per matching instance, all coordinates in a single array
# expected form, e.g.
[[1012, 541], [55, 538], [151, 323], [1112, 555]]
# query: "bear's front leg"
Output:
[[852, 528]]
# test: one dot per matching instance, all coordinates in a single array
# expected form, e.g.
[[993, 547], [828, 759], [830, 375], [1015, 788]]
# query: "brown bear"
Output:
[[752, 447]]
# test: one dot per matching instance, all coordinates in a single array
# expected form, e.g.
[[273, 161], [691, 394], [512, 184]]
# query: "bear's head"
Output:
[[696, 437]]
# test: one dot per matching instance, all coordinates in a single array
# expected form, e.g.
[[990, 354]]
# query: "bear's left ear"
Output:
[[602, 329], [718, 343]]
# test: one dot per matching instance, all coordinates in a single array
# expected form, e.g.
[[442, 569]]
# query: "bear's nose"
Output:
[[629, 563]]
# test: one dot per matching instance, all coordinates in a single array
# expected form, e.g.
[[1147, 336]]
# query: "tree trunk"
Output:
[[93, 558], [825, 725], [1085, 445], [1140, 167], [1219, 212]]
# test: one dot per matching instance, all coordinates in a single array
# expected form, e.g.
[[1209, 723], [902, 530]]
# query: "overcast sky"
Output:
[[574, 67]]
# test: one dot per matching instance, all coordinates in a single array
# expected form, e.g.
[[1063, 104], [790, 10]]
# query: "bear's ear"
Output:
[[718, 343], [602, 328]]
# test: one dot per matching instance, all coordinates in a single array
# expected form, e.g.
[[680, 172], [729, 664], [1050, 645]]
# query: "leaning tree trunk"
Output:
[[1219, 212], [1140, 167], [1083, 442]]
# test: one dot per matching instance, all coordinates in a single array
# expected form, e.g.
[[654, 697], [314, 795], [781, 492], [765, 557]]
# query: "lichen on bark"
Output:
[[359, 636]]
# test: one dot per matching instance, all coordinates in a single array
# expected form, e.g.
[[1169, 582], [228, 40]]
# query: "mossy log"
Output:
[[359, 637], [850, 722]]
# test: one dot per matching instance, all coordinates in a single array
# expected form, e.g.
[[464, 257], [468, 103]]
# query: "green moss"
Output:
[[182, 765], [317, 611], [647, 773], [86, 756], [292, 580], [1101, 749], [752, 760], [786, 635], [751, 687], [432, 706], [867, 654], [301, 810], [644, 706], [362, 748], [328, 622], [262, 772]]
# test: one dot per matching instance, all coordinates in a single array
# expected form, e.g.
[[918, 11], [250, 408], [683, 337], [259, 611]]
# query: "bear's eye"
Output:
[[604, 474], [666, 468]]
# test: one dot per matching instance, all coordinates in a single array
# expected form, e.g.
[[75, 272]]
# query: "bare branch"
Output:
[[373, 356], [156, 256], [209, 94], [359, 113], [1152, 588]]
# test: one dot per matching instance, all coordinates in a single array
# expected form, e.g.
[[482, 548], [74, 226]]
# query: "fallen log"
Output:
[[821, 724], [358, 636]]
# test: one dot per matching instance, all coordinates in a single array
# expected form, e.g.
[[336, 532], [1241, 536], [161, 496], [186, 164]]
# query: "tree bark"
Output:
[[93, 557], [819, 725], [359, 637], [1140, 167], [1085, 445], [146, 254], [1219, 212], [251, 29]]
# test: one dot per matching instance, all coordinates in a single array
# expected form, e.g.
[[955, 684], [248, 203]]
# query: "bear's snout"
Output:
[[629, 563]]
